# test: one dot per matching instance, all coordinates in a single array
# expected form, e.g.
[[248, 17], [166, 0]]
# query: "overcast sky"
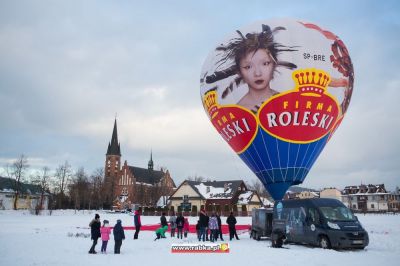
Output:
[[68, 67]]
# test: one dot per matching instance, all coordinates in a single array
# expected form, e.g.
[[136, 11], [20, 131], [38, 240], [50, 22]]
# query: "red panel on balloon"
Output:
[[303, 115]]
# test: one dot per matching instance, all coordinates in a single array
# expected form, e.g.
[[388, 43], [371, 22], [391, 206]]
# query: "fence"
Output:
[[193, 214]]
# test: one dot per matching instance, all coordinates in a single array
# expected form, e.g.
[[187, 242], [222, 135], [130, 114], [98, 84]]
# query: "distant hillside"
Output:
[[297, 189]]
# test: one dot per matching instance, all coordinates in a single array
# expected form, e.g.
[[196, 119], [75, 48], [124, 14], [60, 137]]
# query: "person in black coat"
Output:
[[198, 229], [180, 222], [219, 227], [231, 221], [119, 235], [138, 224], [203, 224], [206, 231], [94, 232], [163, 220]]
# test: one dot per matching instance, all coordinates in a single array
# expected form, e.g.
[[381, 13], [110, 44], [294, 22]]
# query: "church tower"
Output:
[[113, 162], [126, 185], [150, 165], [113, 156]]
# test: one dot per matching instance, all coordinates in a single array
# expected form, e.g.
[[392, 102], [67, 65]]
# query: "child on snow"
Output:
[[213, 225], [119, 235], [172, 223], [186, 227], [198, 229], [105, 232], [160, 232], [138, 224]]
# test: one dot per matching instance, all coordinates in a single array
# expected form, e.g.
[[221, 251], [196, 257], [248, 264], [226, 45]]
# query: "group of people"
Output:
[[103, 231], [97, 231], [208, 229], [177, 224]]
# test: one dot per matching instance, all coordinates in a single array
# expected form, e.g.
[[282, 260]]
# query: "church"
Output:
[[130, 186]]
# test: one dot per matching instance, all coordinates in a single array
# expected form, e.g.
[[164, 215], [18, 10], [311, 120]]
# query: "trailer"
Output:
[[261, 223]]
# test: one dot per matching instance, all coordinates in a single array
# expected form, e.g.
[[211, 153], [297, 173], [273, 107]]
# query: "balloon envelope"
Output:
[[276, 91]]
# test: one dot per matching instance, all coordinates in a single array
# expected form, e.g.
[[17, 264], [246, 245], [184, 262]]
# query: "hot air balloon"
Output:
[[276, 91]]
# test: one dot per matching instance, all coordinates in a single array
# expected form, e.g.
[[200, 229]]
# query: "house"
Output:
[[29, 196], [331, 193], [289, 195], [162, 202], [267, 203], [296, 192], [366, 198], [128, 185], [308, 195], [394, 201], [218, 196]]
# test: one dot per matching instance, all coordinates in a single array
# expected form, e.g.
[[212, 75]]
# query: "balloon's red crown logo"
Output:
[[210, 102], [305, 114], [311, 82], [237, 125]]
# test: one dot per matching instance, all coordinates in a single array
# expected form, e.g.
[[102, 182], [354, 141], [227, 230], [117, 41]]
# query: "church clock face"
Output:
[[124, 191]]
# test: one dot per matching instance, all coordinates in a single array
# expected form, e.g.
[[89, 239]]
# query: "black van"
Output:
[[323, 222]]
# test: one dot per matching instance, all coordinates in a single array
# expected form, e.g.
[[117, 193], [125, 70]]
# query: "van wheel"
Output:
[[277, 240], [324, 242], [277, 243], [255, 236]]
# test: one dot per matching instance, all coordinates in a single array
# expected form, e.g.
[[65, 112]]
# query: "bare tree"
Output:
[[17, 172], [156, 193], [257, 186], [42, 180], [159, 188], [97, 184], [141, 194], [109, 188], [196, 178], [79, 188], [62, 178]]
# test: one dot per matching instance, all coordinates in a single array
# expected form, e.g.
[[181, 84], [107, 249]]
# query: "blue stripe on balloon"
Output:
[[276, 161]]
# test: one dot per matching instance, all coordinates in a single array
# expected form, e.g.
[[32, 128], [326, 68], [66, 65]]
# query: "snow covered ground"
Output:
[[44, 240]]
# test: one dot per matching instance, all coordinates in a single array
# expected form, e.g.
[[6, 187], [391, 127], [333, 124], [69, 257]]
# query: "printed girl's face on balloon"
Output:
[[256, 69]]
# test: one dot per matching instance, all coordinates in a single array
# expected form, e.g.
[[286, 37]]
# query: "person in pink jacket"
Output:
[[105, 236]]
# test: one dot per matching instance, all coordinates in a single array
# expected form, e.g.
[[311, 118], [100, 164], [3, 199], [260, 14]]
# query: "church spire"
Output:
[[151, 164], [113, 146]]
